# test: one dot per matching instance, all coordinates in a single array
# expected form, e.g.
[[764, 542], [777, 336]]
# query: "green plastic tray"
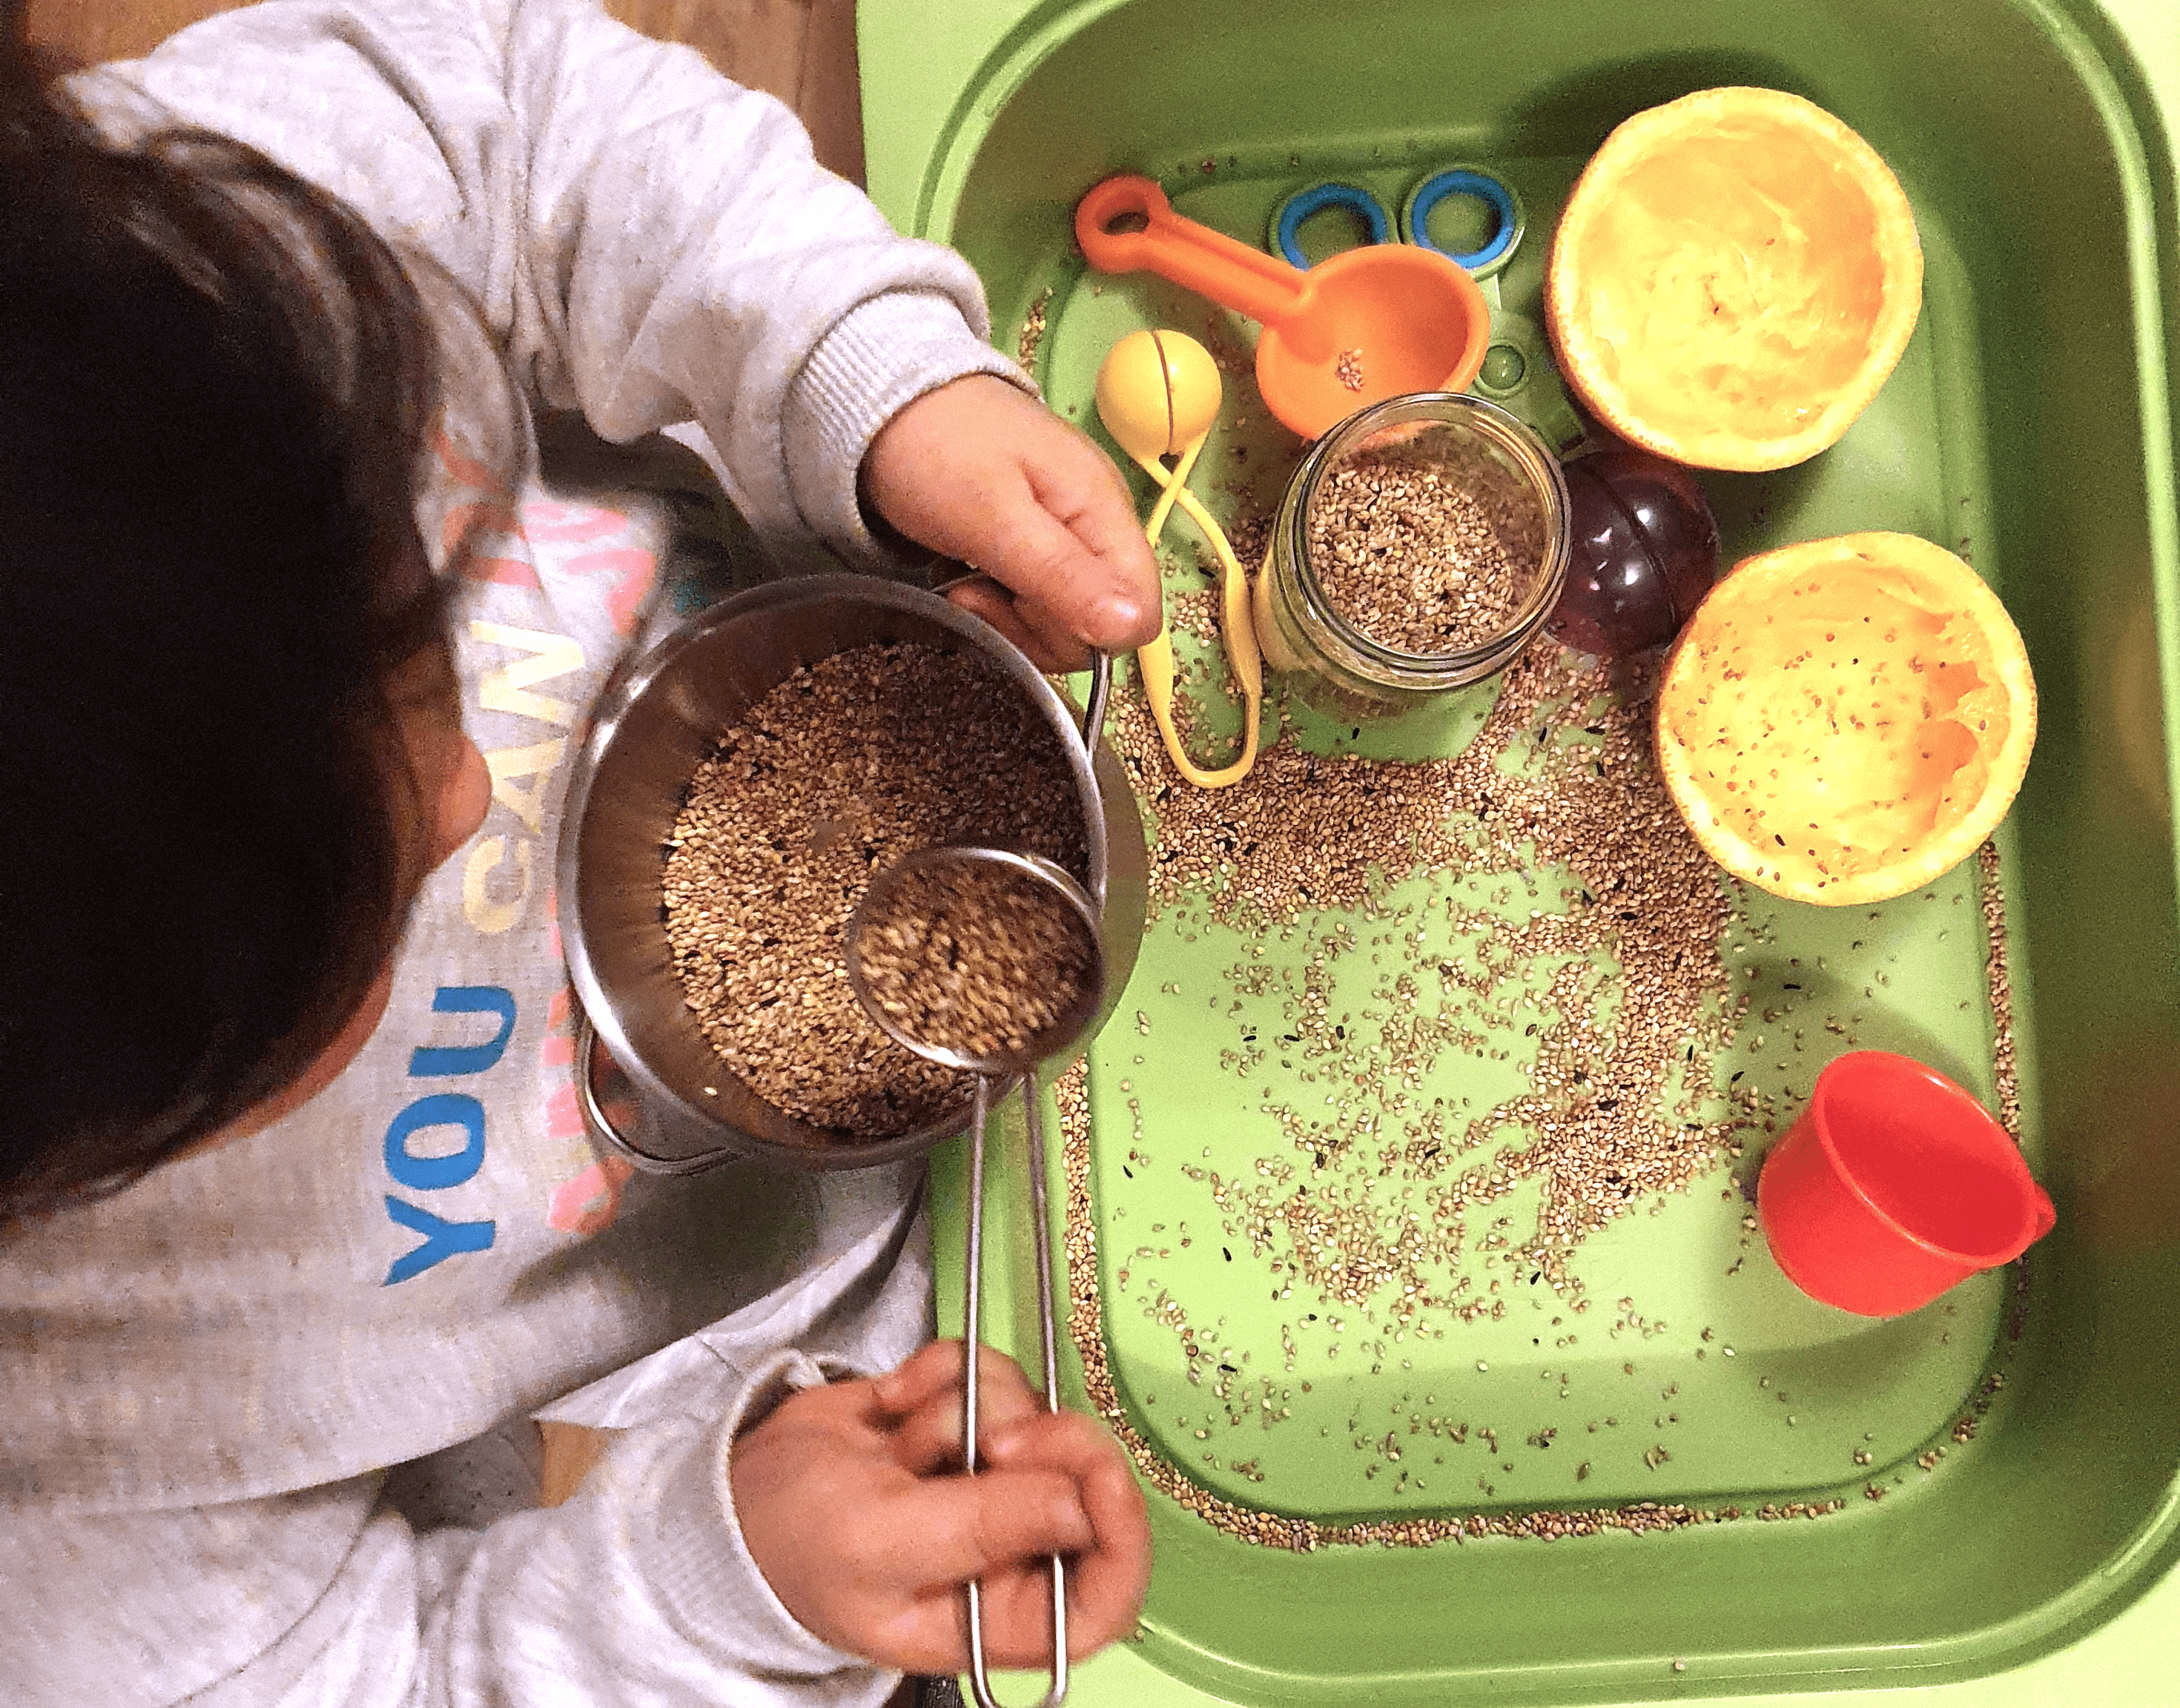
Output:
[[2029, 424]]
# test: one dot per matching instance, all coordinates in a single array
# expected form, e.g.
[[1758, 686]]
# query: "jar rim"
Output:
[[1533, 458]]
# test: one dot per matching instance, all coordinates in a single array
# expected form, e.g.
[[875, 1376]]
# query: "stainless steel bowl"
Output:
[[650, 730]]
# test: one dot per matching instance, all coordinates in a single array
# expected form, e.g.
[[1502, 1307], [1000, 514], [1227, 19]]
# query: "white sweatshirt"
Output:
[[203, 1379]]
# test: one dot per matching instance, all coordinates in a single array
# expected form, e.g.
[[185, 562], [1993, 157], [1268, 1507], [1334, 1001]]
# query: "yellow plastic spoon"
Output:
[[1158, 394]]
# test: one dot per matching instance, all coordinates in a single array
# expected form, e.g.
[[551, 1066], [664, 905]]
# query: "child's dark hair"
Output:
[[216, 385]]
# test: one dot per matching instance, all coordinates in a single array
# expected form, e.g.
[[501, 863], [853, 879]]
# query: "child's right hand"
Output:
[[852, 1505], [981, 471]]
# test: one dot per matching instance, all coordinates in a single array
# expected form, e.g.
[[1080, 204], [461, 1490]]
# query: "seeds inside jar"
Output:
[[846, 768], [977, 957], [1429, 545]]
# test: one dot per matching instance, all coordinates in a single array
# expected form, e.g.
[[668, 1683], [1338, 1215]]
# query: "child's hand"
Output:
[[850, 1503], [982, 472]]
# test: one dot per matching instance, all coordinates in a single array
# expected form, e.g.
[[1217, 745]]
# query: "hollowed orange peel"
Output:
[[1733, 278], [1846, 720]]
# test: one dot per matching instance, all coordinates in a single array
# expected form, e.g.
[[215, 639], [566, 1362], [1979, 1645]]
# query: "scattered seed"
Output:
[[1252, 858]]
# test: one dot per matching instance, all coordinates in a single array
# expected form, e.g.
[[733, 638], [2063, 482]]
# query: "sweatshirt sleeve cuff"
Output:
[[878, 358], [700, 1565]]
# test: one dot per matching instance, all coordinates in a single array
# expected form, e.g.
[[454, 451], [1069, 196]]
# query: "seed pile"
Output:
[[1605, 1120], [1613, 993], [1030, 338], [847, 766], [1272, 1530], [2003, 1067], [1608, 1116], [977, 957], [1554, 923], [1428, 547]]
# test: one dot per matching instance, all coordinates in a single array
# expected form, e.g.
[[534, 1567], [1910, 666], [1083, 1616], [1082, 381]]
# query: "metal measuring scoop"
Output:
[[893, 971]]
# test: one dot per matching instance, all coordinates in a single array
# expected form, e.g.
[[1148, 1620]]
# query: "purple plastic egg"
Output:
[[1645, 552]]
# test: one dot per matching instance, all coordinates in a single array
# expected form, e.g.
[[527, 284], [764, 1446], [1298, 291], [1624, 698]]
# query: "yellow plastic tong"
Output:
[[1158, 394]]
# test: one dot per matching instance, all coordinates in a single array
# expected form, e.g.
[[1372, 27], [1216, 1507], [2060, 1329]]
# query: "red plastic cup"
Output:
[[1893, 1185]]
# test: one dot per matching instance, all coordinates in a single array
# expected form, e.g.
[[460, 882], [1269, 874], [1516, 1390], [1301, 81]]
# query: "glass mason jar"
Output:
[[1475, 447]]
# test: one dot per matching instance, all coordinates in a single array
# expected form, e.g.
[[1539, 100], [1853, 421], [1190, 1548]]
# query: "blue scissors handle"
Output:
[[1287, 224], [1461, 180], [1285, 236]]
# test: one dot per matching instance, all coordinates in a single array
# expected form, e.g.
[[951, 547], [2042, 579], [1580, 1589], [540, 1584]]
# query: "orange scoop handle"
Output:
[[1232, 274]]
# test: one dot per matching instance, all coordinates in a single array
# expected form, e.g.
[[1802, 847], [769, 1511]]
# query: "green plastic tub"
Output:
[[1996, 1479]]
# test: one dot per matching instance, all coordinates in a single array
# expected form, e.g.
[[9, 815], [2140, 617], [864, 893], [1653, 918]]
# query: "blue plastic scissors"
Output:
[[1497, 195]]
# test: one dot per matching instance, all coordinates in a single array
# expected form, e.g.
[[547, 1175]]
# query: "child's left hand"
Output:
[[983, 472], [851, 1503]]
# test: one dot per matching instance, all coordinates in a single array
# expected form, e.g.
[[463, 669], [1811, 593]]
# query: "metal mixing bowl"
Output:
[[650, 730]]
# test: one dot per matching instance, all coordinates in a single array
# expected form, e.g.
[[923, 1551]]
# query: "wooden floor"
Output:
[[802, 51]]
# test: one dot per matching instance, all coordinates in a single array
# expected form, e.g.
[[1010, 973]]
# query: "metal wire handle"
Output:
[[1093, 708], [1093, 724], [601, 1126], [979, 1679]]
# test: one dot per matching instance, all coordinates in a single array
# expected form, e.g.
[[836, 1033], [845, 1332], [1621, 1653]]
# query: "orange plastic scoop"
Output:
[[1368, 324]]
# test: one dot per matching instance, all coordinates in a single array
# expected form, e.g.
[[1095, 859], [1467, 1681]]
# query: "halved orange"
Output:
[[1732, 279], [1845, 720]]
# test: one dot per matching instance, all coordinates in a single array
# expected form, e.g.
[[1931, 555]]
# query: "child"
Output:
[[293, 647]]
